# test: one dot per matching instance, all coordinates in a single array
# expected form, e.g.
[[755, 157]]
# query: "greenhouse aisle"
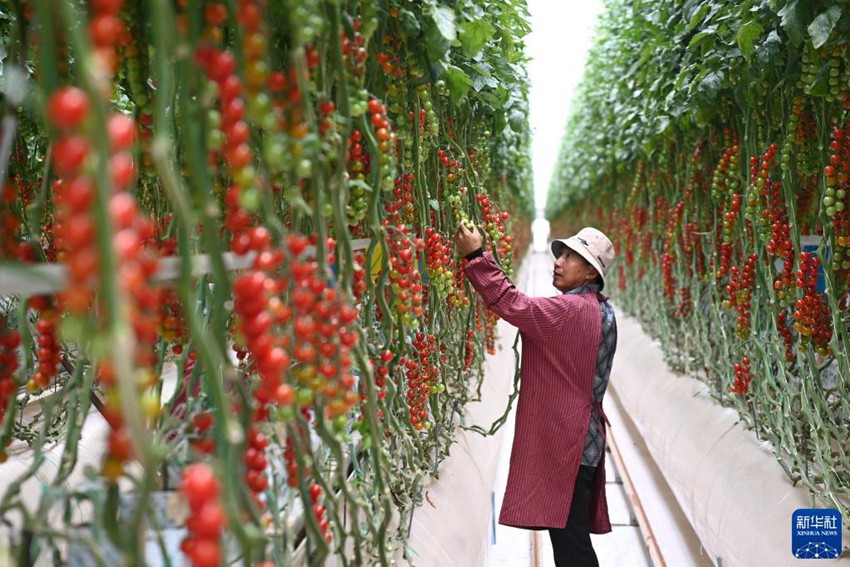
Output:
[[627, 544]]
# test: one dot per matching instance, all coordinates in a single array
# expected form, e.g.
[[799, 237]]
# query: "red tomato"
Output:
[[69, 154], [206, 553], [122, 132], [67, 107], [199, 484], [106, 5], [106, 29], [209, 521]]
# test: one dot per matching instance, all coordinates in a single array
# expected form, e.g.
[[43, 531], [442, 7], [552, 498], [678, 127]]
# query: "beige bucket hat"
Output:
[[592, 245]]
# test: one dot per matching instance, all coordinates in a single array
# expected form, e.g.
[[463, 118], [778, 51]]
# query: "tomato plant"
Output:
[[248, 210], [722, 174]]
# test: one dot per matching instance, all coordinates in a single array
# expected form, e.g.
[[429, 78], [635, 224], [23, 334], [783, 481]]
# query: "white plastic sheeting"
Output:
[[727, 483]]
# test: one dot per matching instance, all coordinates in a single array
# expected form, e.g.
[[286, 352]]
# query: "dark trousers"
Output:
[[572, 544]]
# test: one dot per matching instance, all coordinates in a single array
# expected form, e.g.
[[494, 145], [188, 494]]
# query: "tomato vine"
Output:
[[255, 199], [715, 155]]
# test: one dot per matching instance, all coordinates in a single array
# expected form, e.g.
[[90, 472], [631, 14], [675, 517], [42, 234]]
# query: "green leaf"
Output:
[[441, 32], [747, 36], [458, 83], [698, 38], [709, 85], [769, 49], [445, 19], [435, 204], [409, 22], [474, 36], [698, 17], [822, 26], [480, 81], [792, 22]]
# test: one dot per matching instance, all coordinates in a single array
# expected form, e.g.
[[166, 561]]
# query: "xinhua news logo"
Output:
[[816, 533]]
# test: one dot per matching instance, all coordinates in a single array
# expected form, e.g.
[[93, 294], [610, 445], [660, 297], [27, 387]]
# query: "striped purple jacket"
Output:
[[560, 341]]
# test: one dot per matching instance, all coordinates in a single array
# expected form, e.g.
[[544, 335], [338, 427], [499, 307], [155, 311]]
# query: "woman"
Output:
[[556, 479]]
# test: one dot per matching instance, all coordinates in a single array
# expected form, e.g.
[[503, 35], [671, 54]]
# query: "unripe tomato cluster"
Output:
[[835, 200], [725, 180], [452, 186], [801, 133]]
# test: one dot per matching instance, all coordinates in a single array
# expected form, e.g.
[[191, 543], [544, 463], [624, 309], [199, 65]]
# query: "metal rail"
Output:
[[43, 279]]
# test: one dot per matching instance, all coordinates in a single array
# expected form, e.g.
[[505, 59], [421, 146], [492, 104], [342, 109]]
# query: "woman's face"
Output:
[[571, 271]]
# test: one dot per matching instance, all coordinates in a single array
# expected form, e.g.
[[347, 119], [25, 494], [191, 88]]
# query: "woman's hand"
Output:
[[468, 241]]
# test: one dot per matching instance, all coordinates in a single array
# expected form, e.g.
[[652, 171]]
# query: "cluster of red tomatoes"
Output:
[[10, 340], [740, 290], [743, 377], [812, 318], [207, 519]]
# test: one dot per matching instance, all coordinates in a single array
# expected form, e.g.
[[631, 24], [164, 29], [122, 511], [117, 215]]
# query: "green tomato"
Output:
[[250, 199], [286, 413], [246, 177], [304, 169], [303, 397], [339, 423], [275, 153], [215, 139]]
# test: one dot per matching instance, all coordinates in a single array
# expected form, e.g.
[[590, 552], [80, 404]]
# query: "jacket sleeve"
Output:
[[538, 317]]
